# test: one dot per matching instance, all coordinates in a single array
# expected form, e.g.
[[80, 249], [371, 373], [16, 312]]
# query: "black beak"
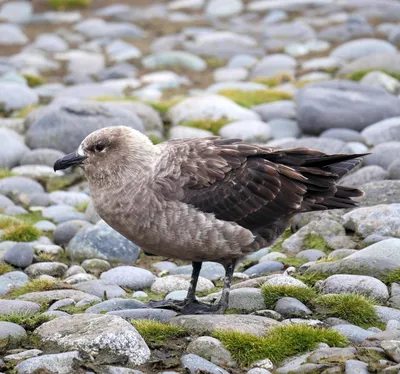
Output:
[[73, 159]]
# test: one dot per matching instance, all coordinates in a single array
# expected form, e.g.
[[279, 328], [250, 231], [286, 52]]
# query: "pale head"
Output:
[[110, 153]]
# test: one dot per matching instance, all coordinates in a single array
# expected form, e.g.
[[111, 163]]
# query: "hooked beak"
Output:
[[73, 159]]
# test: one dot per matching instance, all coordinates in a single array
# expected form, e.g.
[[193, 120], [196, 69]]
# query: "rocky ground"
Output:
[[325, 298]]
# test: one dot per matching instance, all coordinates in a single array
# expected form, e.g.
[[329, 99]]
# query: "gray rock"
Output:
[[91, 214], [79, 278], [11, 335], [69, 198], [95, 265], [287, 31], [382, 80], [18, 357], [264, 268], [394, 170], [385, 314], [174, 59], [332, 354], [211, 349], [123, 70], [51, 296], [273, 256], [115, 305], [393, 325], [97, 28], [58, 127], [362, 47], [165, 266], [12, 148], [365, 175], [283, 280], [101, 289], [181, 132], [35, 171], [64, 362], [179, 282], [273, 65], [258, 371], [11, 280], [380, 192], [193, 364], [46, 226], [20, 255], [37, 199], [75, 269], [311, 254], [378, 220], [325, 105], [103, 242], [358, 284], [109, 336], [250, 131], [162, 315], [209, 270], [61, 213], [129, 277], [284, 128], [56, 269], [18, 306], [176, 295], [16, 96], [276, 110], [345, 135], [219, 8], [67, 230], [207, 324], [14, 210], [392, 349], [12, 35], [291, 307], [320, 144], [50, 43], [355, 334], [347, 31], [5, 202], [122, 370], [61, 303], [356, 367], [17, 185], [16, 11], [119, 51], [247, 299], [383, 154]]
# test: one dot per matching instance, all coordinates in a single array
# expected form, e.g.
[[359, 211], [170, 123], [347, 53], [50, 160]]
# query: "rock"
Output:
[[320, 144], [207, 324], [165, 266], [179, 282], [382, 80], [276, 110], [211, 349], [14, 210], [61, 303], [385, 314], [108, 337], [258, 371], [56, 269], [103, 242], [18, 357], [119, 51], [19, 255], [58, 127], [291, 307], [209, 270], [358, 284], [287, 32], [219, 8], [353, 333], [273, 65], [95, 266], [16, 96], [12, 148], [392, 349], [79, 278], [311, 254], [247, 299], [383, 131], [64, 363], [46, 226], [273, 256], [51, 296], [51, 43], [161, 315], [174, 59], [11, 335], [383, 154], [345, 135], [356, 367], [365, 175], [97, 28], [264, 268], [394, 170], [194, 364], [318, 106], [181, 132], [17, 306], [282, 128], [18, 185], [101, 289], [210, 107], [115, 305], [283, 280], [362, 47], [35, 171], [12, 35], [250, 131], [129, 277], [69, 198], [61, 213], [379, 192], [11, 280], [332, 355], [5, 202], [16, 11], [378, 220], [230, 74], [67, 230]]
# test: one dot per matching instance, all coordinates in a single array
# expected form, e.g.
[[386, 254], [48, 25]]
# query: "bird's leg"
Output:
[[191, 294], [223, 303]]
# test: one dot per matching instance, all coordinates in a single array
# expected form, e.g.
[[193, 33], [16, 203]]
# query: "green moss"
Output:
[[292, 261], [23, 112], [5, 173], [29, 321], [276, 80], [311, 277], [360, 74], [281, 342], [249, 99], [73, 309], [157, 332], [60, 183], [82, 206], [31, 218], [207, 124], [214, 62], [5, 268], [8, 222], [21, 233], [356, 309], [34, 80], [392, 277], [163, 106], [155, 140], [314, 241], [38, 285], [272, 293], [68, 4]]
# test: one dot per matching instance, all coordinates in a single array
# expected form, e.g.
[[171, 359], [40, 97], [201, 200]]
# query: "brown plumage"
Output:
[[206, 199]]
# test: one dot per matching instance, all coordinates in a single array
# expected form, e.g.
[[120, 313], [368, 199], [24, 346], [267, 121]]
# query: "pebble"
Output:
[[17, 306], [56, 269], [19, 255], [161, 315], [12, 148], [209, 270], [171, 283], [291, 307], [130, 277], [11, 280], [11, 335], [353, 333], [65, 231], [264, 267], [193, 364], [246, 299], [100, 288]]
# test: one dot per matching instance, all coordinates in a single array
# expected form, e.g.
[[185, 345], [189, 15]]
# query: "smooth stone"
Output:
[[11, 335], [347, 135], [120, 51], [383, 154], [176, 295], [383, 131], [50, 43], [311, 254], [289, 306], [230, 74], [356, 367], [5, 202], [16, 11], [392, 349], [179, 282], [18, 185], [12, 148], [246, 299], [130, 277], [182, 132], [45, 226], [385, 314], [96, 265], [68, 198], [220, 8], [56, 269], [64, 232], [394, 170], [320, 144], [381, 192], [11, 280], [97, 28], [273, 256], [382, 80], [250, 131], [101, 289], [193, 364], [273, 65], [115, 305], [282, 109], [161, 315], [51, 296], [328, 355], [18, 357], [11, 34], [264, 268], [17, 306], [14, 210], [283, 280], [174, 59], [365, 175], [165, 266], [61, 303], [353, 333], [209, 270], [61, 213], [284, 128], [20, 255], [79, 278]]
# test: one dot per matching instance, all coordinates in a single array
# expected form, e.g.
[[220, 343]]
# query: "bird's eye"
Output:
[[99, 147]]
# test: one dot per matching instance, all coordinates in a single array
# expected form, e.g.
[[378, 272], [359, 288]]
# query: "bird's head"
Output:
[[108, 152]]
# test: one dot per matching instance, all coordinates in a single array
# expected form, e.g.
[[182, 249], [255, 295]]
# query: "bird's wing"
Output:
[[234, 180]]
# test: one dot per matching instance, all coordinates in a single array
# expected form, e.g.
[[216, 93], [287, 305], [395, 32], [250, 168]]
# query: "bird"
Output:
[[205, 199]]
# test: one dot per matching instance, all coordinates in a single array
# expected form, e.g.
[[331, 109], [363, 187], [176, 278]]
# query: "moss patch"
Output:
[[314, 241], [29, 321], [292, 261], [272, 293], [207, 124], [157, 332], [281, 342], [311, 277], [249, 99], [214, 62], [82, 207], [356, 309], [68, 4], [21, 233], [392, 277], [73, 309], [8, 221], [38, 285], [5, 268], [276, 80], [31, 218], [5, 173], [23, 112], [360, 74], [34, 80]]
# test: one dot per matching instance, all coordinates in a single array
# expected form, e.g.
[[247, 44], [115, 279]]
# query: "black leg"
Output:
[[191, 294], [223, 303]]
